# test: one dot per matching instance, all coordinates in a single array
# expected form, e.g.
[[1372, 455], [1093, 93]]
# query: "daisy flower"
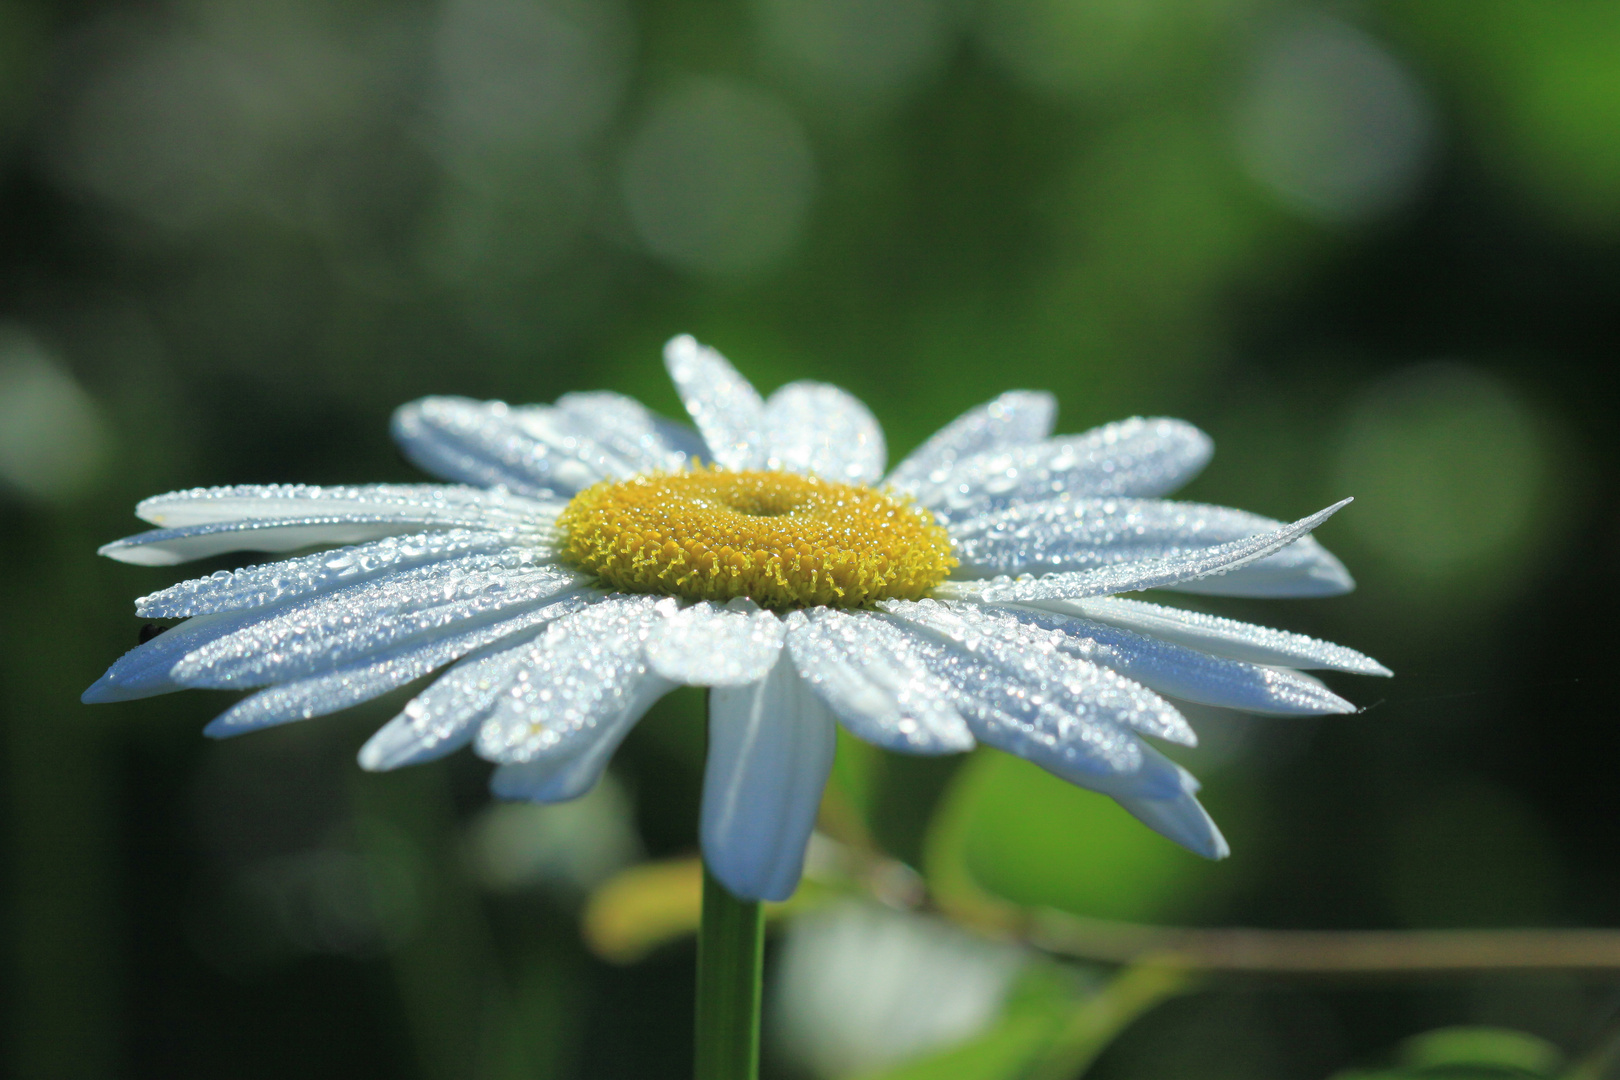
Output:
[[589, 556]]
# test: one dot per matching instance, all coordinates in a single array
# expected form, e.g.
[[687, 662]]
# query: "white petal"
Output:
[[876, 682], [146, 670], [549, 780], [444, 717], [711, 645], [559, 777], [770, 752], [630, 430], [815, 428], [279, 582], [336, 690], [1138, 457], [1061, 535], [169, 547], [1045, 688], [1014, 418], [491, 444], [581, 681], [1218, 636], [726, 408], [1303, 569], [323, 633], [286, 517], [1146, 574], [1179, 817], [439, 505], [1187, 674]]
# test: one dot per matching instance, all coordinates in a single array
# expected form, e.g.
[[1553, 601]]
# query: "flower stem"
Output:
[[731, 952]]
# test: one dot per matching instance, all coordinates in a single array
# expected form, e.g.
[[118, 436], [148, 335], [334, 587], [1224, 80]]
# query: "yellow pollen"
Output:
[[780, 539]]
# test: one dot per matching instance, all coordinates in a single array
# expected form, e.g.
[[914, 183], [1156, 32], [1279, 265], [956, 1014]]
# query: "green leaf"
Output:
[[1498, 1048], [1468, 1053]]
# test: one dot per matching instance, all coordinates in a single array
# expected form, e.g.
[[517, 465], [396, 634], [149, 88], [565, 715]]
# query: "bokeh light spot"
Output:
[[718, 178], [1449, 470], [1331, 123]]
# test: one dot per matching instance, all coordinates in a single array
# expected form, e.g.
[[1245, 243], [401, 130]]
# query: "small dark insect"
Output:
[[151, 630]]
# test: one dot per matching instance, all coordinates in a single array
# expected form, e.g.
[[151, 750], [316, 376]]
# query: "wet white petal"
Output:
[[444, 717], [169, 547], [726, 408], [1303, 569], [280, 582], [1218, 636], [631, 431], [1044, 667], [1059, 535], [322, 633], [1186, 673], [560, 777], [1014, 418], [581, 681], [491, 444], [145, 670], [770, 752], [709, 644], [437, 505], [335, 690], [877, 683], [1179, 817], [1137, 457], [1146, 574], [812, 427], [1066, 716]]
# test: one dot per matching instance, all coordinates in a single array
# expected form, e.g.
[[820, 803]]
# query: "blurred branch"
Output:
[[1283, 952], [1306, 952]]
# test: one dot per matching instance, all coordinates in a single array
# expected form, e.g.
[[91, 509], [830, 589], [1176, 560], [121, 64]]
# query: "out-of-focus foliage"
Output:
[[1373, 249], [1468, 1054]]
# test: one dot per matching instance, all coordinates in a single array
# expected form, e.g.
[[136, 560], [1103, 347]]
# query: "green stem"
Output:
[[731, 954]]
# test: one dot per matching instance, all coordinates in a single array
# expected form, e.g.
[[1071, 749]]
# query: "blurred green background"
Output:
[[1373, 248]]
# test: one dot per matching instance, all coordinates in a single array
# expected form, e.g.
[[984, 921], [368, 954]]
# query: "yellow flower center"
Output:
[[780, 539]]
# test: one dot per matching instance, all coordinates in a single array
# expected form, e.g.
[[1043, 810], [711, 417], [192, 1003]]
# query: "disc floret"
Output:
[[783, 540]]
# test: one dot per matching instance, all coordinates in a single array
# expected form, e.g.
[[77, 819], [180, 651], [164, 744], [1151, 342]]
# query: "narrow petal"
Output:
[[1303, 569], [491, 444], [815, 428], [877, 683], [1061, 535], [562, 776], [1186, 673], [444, 717], [280, 582], [1043, 664], [1013, 419], [1070, 718], [1137, 457], [323, 633], [580, 681], [333, 691], [1179, 817], [726, 408], [627, 428], [286, 517], [170, 547], [1146, 574], [710, 644], [438, 505], [147, 669], [770, 752], [1217, 636]]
